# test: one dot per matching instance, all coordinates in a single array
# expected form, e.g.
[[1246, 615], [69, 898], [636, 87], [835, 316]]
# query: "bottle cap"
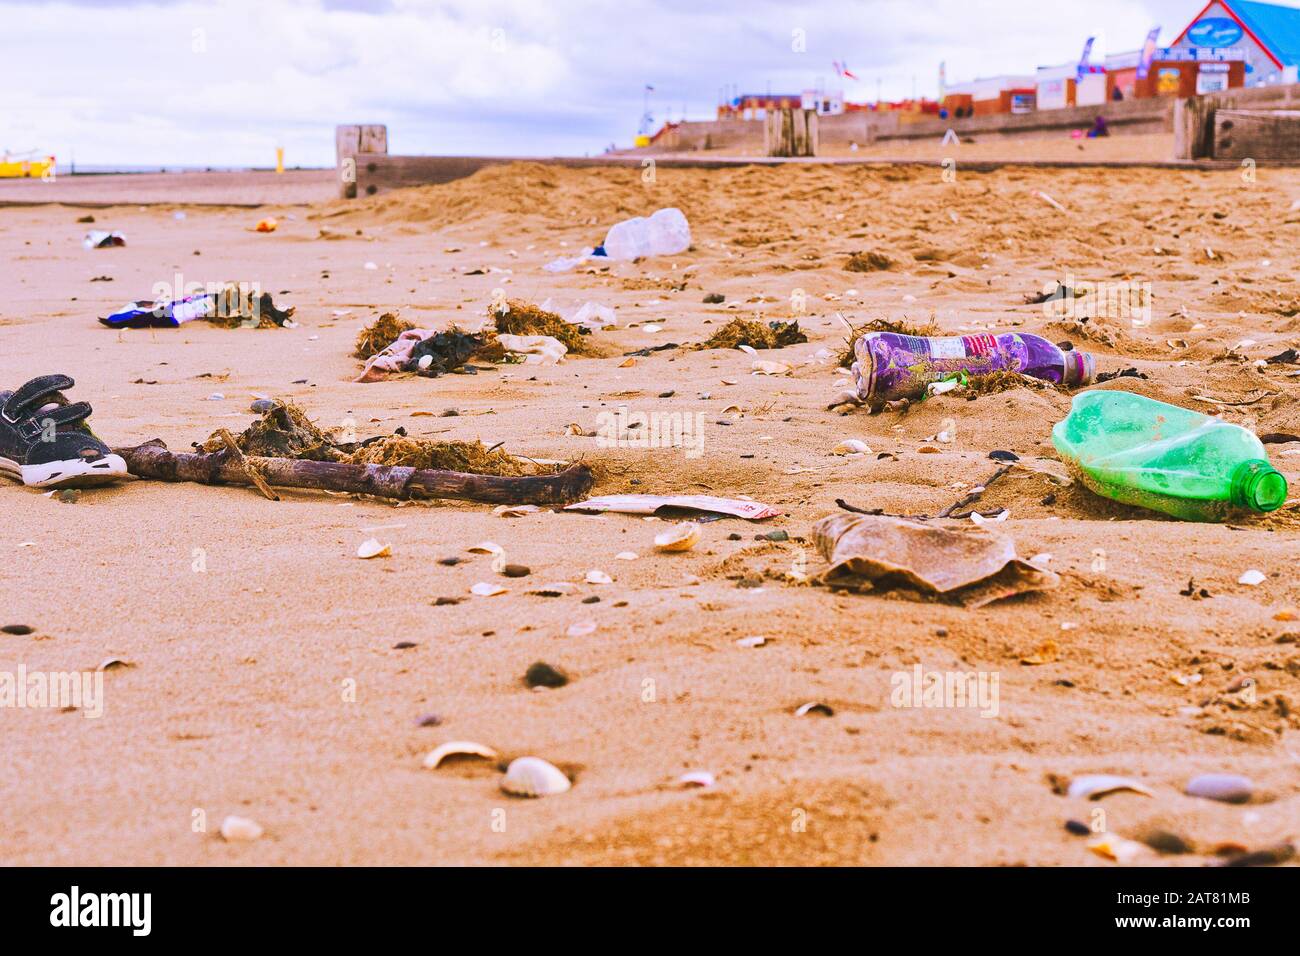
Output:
[[1080, 367], [1257, 485]]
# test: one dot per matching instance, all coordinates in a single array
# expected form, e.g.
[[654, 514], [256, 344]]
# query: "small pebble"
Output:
[[1077, 827], [1004, 456], [450, 562], [714, 298], [444, 601], [516, 571], [542, 674], [19, 629], [593, 599], [404, 645], [1224, 787], [429, 720], [263, 405], [1164, 841]]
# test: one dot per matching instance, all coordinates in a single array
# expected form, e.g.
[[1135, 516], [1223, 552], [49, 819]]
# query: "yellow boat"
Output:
[[27, 168]]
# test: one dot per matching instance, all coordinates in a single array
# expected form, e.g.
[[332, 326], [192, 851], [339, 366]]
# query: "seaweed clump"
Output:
[[285, 431], [524, 318], [1002, 381], [897, 326], [380, 334], [869, 261], [447, 351], [471, 456], [773, 335], [238, 305]]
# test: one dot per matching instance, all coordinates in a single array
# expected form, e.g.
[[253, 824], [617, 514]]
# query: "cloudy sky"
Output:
[[223, 82]]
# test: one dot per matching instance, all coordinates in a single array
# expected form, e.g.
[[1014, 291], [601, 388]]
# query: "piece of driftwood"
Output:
[[238, 454], [154, 460]]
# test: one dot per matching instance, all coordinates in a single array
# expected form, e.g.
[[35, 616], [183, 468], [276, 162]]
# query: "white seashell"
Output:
[[625, 556], [110, 663], [770, 368], [581, 629], [486, 547], [515, 511], [425, 361], [681, 537], [240, 830], [1252, 577], [1095, 786], [851, 446], [1116, 848], [534, 777], [755, 641], [697, 778], [487, 589], [371, 548], [747, 349], [458, 748], [651, 328], [938, 388], [980, 520]]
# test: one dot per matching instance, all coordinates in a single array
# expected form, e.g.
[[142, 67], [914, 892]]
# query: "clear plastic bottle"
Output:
[[1167, 458], [662, 234]]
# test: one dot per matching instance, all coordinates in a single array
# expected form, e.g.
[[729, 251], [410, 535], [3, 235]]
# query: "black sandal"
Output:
[[46, 442]]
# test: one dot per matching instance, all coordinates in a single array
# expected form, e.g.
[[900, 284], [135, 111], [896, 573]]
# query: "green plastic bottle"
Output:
[[1147, 453]]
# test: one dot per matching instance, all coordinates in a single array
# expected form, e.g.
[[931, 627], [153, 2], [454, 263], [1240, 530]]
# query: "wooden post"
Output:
[[1194, 127], [351, 142], [790, 133], [1260, 135]]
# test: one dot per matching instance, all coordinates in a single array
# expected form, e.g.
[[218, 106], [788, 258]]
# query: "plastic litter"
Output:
[[663, 233], [974, 566], [652, 504], [889, 366], [232, 304], [1167, 458]]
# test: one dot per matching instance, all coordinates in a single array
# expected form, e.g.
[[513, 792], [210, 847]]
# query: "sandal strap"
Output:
[[72, 414], [30, 396]]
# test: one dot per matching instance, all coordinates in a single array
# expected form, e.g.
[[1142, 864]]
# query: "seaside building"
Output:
[[1264, 36], [1070, 85], [992, 94]]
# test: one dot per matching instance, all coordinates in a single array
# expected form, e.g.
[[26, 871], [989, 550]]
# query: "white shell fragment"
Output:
[[515, 511], [111, 663], [595, 576], [980, 520], [626, 556], [697, 778], [681, 537], [755, 641], [486, 547], [851, 446], [1096, 786], [581, 629], [373, 548], [487, 589], [534, 777], [1252, 577], [1116, 848], [240, 830], [458, 748]]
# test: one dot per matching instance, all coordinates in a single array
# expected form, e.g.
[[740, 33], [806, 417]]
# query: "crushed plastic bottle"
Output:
[[890, 366], [664, 233], [1167, 458]]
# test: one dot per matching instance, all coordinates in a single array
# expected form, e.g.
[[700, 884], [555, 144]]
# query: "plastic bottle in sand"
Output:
[[890, 366], [1171, 459], [663, 234]]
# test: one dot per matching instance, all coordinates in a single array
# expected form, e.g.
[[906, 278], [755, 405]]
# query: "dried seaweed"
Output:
[[868, 261], [380, 334], [524, 318], [773, 335]]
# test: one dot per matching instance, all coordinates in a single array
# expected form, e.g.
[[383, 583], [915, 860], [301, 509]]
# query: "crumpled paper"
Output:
[[973, 566]]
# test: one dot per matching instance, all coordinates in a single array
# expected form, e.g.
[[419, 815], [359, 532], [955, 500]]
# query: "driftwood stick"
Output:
[[154, 460], [238, 454]]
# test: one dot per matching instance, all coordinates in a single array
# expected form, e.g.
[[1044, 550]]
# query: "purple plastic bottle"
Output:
[[890, 366]]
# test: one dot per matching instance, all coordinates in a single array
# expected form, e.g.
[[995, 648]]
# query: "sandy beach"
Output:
[[264, 679]]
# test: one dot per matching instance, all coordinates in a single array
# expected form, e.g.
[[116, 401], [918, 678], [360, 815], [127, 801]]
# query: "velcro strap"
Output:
[[63, 415], [31, 396]]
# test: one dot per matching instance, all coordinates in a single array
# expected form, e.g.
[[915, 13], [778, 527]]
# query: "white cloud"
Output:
[[223, 82]]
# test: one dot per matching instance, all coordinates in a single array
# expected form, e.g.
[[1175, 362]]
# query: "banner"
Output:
[[1148, 53]]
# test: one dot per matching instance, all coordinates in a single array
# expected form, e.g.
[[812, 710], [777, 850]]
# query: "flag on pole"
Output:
[[1083, 60], [1148, 53]]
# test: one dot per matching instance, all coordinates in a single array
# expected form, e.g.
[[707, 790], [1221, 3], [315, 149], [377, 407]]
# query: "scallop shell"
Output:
[[626, 556], [373, 548], [1252, 577], [240, 829], [487, 589], [681, 537], [595, 576], [458, 748], [534, 777], [581, 629], [851, 446], [770, 368]]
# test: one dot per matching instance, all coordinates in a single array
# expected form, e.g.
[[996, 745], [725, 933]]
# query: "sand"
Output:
[[265, 682]]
